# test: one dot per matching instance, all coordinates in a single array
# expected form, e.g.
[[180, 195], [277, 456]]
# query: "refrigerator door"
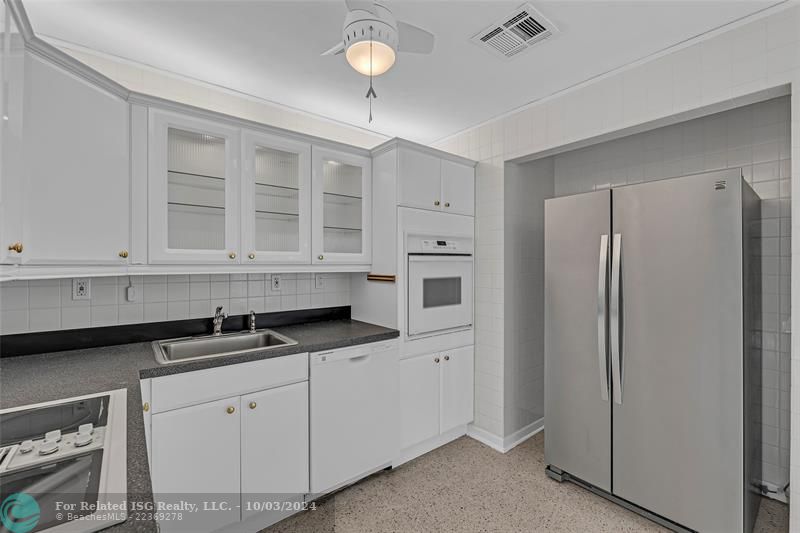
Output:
[[677, 364], [577, 399]]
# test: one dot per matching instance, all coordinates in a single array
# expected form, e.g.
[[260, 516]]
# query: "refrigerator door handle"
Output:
[[614, 318], [602, 292]]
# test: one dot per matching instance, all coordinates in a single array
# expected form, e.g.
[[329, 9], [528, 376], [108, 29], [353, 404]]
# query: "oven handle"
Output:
[[431, 258]]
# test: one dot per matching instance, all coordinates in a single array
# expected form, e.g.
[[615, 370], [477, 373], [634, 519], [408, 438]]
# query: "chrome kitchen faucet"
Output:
[[219, 316]]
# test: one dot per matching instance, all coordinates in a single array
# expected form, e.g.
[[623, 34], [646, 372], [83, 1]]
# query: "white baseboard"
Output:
[[485, 437], [504, 444]]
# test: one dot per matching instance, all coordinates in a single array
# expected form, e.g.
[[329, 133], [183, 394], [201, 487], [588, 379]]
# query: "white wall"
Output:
[[755, 55], [148, 80], [47, 305], [526, 188], [756, 139]]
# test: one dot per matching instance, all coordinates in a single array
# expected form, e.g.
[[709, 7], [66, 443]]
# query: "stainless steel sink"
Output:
[[193, 348]]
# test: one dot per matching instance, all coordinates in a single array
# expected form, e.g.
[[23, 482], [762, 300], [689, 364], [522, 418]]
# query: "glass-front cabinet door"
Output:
[[342, 204], [276, 199], [193, 180]]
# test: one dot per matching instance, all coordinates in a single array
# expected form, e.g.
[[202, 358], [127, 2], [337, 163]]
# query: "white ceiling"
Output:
[[271, 49]]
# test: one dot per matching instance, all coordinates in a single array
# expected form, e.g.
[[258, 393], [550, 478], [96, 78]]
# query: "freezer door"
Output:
[[577, 400], [677, 365]]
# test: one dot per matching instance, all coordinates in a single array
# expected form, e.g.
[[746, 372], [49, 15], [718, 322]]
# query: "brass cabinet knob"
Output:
[[230, 410], [146, 407], [320, 257], [252, 405], [16, 247], [447, 204], [123, 254], [232, 255], [446, 357], [436, 203], [251, 255], [435, 359]]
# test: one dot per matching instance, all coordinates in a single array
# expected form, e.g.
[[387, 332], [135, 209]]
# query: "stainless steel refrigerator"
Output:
[[649, 369]]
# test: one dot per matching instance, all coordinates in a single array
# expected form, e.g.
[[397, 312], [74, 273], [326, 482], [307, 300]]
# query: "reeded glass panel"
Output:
[[277, 202], [342, 219], [196, 191], [438, 292]]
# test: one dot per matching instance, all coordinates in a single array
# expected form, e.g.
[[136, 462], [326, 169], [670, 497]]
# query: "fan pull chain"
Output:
[[371, 92]]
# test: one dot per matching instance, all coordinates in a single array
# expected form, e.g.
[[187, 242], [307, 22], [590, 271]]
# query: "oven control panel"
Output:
[[438, 244], [53, 446], [431, 245]]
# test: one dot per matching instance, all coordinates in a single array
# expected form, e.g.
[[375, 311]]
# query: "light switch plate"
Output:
[[81, 289]]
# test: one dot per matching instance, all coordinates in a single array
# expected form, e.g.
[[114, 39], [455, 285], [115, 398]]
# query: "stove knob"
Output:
[[54, 435], [26, 446], [48, 447], [83, 439], [88, 429]]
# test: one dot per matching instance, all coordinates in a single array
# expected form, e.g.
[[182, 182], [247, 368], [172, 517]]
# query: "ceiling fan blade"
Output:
[[335, 50], [414, 39], [362, 5]]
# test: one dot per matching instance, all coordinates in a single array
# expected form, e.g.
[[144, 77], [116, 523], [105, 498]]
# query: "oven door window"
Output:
[[71, 481], [439, 292]]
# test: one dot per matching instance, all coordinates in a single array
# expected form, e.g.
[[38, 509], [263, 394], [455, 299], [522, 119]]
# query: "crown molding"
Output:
[[404, 143]]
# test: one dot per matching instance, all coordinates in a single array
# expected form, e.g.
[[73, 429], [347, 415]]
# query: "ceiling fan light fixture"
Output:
[[380, 58]]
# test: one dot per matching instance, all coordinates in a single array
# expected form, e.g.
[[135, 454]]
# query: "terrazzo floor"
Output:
[[466, 486]]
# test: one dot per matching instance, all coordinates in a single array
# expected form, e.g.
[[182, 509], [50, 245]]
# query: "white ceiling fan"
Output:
[[372, 36]]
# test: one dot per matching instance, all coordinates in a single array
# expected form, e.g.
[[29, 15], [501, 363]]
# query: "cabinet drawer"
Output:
[[191, 388]]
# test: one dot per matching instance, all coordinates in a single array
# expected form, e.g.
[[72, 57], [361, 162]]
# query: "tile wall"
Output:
[[46, 305], [756, 139], [526, 188]]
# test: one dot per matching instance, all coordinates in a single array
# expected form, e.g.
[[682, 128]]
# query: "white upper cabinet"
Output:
[[276, 199], [419, 178], [427, 181], [458, 188], [193, 190], [342, 206], [12, 75], [75, 170]]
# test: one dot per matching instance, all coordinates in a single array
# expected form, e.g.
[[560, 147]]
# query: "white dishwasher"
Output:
[[354, 413]]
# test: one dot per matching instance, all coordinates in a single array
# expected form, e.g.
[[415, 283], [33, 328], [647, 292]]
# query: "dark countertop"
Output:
[[52, 376]]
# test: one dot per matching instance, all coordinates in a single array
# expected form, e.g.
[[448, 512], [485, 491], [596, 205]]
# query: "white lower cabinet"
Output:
[[436, 397], [458, 388], [196, 458], [274, 447], [234, 457], [419, 408]]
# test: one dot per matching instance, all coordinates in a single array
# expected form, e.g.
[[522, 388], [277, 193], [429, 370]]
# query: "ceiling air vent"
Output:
[[515, 32]]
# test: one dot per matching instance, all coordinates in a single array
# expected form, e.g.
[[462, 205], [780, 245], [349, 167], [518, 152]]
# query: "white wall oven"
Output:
[[439, 283]]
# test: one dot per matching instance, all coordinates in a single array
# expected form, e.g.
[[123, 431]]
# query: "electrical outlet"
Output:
[[81, 289], [131, 293], [319, 281], [275, 282]]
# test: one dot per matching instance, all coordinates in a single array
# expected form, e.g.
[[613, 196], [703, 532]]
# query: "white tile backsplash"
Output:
[[47, 305]]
